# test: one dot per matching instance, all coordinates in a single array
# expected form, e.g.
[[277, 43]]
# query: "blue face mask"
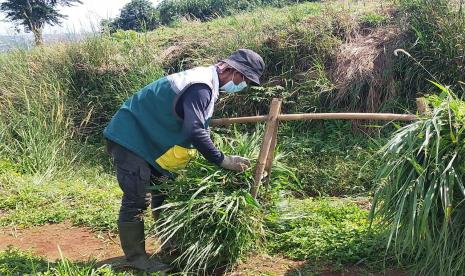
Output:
[[230, 87]]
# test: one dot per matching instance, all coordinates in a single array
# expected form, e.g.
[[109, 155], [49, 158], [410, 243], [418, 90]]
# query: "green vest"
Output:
[[147, 123]]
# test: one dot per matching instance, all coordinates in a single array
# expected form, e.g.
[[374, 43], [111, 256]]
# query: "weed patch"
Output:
[[91, 202], [325, 231], [329, 158]]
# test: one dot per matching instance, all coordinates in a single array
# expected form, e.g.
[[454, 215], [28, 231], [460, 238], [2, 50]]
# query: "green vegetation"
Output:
[[171, 10], [326, 231], [142, 15], [89, 198], [330, 159], [372, 20], [421, 191], [14, 262], [436, 38], [137, 15]]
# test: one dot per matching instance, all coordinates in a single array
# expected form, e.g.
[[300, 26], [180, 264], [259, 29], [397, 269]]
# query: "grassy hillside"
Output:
[[57, 99]]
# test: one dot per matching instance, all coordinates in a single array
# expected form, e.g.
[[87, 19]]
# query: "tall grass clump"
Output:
[[211, 218], [104, 72], [37, 130], [56, 100], [437, 35], [421, 189]]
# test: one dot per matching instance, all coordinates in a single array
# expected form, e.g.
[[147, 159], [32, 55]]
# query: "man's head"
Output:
[[242, 68]]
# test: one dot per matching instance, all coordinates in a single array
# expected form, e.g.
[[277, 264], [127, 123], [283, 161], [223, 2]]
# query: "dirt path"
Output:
[[266, 265], [75, 243]]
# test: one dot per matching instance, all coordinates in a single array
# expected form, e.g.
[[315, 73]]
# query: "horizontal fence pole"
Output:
[[318, 116]]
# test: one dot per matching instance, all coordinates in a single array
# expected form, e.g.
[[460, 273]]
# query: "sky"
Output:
[[81, 18]]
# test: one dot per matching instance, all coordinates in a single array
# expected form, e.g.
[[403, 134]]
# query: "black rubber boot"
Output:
[[132, 239]]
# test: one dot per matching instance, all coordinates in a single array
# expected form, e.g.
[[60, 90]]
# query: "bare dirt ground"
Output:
[[266, 265], [75, 243]]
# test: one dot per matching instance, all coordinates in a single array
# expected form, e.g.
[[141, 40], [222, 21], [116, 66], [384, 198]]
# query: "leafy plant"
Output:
[[421, 191]]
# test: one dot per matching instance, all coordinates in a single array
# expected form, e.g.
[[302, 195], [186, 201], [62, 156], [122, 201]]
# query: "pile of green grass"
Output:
[[210, 217], [421, 189]]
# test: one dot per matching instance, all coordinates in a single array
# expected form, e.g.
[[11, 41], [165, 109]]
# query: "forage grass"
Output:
[[421, 189], [212, 230], [211, 218]]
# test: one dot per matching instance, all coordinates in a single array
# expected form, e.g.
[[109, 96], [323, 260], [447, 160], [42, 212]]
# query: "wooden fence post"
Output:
[[271, 126], [274, 141]]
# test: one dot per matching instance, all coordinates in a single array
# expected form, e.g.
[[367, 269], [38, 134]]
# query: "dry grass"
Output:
[[361, 66]]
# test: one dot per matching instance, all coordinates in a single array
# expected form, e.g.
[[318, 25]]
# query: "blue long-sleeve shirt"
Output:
[[192, 107]]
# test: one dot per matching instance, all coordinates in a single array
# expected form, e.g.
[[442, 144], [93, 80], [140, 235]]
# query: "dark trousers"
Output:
[[134, 176]]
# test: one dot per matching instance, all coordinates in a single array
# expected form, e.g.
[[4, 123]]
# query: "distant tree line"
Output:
[[142, 15], [138, 15]]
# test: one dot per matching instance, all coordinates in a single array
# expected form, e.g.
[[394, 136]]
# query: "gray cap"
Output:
[[248, 63]]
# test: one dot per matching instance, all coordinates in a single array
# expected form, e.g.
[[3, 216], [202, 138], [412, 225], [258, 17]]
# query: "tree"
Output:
[[138, 15], [33, 15]]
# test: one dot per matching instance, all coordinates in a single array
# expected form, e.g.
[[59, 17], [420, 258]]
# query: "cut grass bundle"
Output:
[[422, 190], [211, 218], [212, 230]]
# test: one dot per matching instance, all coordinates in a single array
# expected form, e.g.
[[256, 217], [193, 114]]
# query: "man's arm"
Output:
[[192, 107]]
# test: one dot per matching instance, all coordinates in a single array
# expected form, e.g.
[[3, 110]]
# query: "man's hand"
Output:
[[235, 163]]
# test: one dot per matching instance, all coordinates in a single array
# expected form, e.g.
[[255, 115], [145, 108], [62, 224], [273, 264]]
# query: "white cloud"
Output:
[[83, 17]]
